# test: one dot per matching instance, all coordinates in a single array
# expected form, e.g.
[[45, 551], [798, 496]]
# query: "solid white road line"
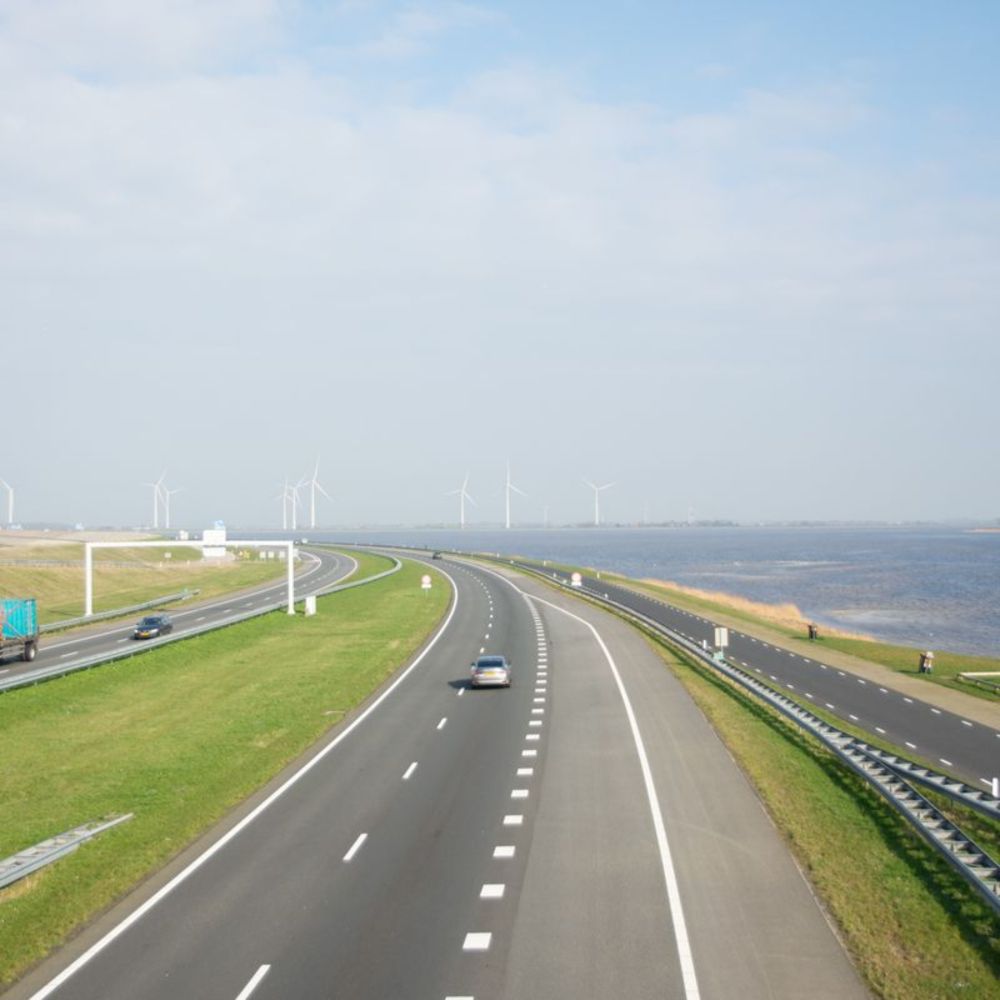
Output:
[[409, 771], [235, 831], [690, 979], [254, 982], [355, 847]]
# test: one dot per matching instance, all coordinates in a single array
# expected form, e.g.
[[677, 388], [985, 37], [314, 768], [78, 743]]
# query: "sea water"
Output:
[[933, 587]]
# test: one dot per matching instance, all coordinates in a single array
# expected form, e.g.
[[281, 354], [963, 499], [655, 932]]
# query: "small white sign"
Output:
[[425, 582], [576, 580], [721, 637]]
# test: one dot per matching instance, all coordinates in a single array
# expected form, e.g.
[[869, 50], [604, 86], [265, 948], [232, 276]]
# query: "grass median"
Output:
[[179, 736], [915, 930]]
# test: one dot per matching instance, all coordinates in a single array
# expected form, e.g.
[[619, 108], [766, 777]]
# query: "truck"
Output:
[[19, 627]]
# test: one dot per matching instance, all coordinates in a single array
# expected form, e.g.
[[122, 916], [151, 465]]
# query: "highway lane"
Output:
[[323, 569], [460, 843], [954, 744]]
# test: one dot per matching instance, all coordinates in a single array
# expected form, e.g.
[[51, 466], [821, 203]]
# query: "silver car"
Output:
[[491, 671]]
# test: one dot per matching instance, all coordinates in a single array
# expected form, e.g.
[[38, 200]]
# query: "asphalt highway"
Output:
[[582, 834], [322, 569], [959, 746]]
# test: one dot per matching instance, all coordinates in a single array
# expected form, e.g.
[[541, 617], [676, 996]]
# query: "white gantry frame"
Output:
[[88, 599]]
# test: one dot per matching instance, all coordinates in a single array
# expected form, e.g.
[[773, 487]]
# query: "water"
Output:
[[934, 587]]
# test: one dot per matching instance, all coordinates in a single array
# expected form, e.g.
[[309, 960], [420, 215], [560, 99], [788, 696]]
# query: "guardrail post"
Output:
[[291, 578]]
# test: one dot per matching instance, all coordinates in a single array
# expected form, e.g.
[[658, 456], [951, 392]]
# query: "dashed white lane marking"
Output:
[[538, 711], [828, 705], [529, 753], [853, 718], [477, 941], [862, 681], [965, 722], [486, 636], [840, 673], [879, 729], [519, 793], [442, 723], [482, 649], [254, 982], [947, 763], [539, 700], [201, 619], [461, 691], [535, 722], [912, 746], [249, 604], [513, 819], [909, 701], [123, 640], [884, 690], [409, 771], [525, 772], [62, 656], [492, 890], [532, 736], [355, 847], [503, 851], [936, 711]]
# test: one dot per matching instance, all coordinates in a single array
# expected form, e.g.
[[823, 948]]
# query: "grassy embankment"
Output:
[[122, 577], [143, 736], [914, 929]]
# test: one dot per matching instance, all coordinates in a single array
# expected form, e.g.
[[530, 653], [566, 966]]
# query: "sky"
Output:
[[741, 260]]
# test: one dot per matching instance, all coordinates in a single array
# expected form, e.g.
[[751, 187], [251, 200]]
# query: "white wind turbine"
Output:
[[283, 497], [157, 488], [597, 499], [463, 495], [10, 501], [314, 485], [167, 494], [294, 501], [507, 491]]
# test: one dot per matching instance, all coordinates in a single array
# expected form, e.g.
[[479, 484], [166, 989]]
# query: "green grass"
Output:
[[916, 931], [122, 577], [179, 736]]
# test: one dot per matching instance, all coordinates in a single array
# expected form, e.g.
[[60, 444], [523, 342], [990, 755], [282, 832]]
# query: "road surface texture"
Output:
[[582, 834]]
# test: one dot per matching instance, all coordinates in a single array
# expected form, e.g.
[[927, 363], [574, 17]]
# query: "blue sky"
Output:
[[742, 257]]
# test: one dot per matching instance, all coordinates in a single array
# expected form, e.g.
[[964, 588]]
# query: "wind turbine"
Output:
[[597, 499], [314, 485], [167, 494], [10, 501], [463, 495], [283, 497], [157, 488], [293, 497], [507, 491]]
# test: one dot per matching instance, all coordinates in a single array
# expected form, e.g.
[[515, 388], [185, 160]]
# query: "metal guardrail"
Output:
[[885, 772], [116, 612], [62, 669], [19, 865]]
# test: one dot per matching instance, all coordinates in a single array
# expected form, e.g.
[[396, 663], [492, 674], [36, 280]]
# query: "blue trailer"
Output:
[[19, 627]]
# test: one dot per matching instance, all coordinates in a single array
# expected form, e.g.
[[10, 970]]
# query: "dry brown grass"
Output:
[[786, 617]]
